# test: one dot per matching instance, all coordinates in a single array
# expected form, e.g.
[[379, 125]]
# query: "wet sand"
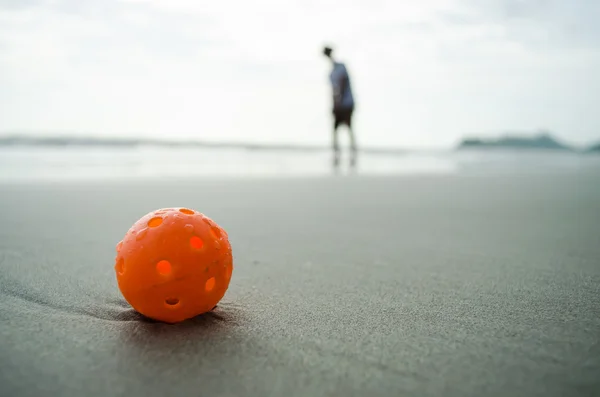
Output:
[[352, 286]]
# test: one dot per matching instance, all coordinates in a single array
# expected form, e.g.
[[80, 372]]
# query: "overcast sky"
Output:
[[425, 73]]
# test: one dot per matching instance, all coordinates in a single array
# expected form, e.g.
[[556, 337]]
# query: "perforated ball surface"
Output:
[[174, 264]]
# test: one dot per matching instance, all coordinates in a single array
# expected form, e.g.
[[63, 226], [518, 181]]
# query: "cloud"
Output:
[[551, 24], [18, 4]]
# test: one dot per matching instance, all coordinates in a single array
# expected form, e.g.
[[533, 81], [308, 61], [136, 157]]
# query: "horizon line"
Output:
[[90, 140], [15, 138]]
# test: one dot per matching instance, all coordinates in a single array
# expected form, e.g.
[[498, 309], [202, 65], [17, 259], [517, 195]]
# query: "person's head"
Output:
[[328, 52]]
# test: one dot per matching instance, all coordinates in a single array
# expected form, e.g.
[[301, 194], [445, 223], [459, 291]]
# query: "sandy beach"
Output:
[[454, 285]]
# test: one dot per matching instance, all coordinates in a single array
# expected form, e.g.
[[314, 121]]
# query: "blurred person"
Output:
[[343, 105]]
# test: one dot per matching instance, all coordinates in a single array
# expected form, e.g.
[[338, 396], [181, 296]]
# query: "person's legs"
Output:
[[335, 143], [353, 147], [353, 150]]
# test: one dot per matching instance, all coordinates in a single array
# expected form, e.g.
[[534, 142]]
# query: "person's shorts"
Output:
[[343, 116]]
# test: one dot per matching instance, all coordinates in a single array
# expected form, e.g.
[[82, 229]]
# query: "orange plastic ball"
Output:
[[174, 264]]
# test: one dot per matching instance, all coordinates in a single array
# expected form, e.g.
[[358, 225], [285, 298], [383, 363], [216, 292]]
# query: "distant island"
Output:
[[594, 148], [540, 141]]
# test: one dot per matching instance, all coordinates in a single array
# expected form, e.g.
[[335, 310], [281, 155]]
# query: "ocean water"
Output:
[[26, 163]]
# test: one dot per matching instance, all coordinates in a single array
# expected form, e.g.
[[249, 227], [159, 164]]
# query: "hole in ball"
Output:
[[155, 222], [172, 302], [210, 284], [196, 242], [163, 267], [216, 232], [120, 266]]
